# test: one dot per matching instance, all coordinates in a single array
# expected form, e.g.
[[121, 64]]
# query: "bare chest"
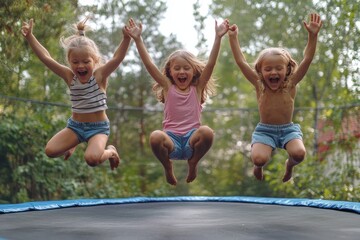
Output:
[[276, 107]]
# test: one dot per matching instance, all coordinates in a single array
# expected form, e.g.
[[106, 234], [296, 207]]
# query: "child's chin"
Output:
[[274, 88]]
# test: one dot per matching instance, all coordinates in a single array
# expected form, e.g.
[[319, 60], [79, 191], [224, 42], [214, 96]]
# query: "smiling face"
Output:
[[182, 73], [274, 70], [81, 63]]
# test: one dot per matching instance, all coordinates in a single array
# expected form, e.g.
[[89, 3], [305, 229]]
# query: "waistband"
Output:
[[276, 126], [76, 123]]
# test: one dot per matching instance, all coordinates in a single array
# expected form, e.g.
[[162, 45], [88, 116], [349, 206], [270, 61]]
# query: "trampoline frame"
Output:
[[47, 205]]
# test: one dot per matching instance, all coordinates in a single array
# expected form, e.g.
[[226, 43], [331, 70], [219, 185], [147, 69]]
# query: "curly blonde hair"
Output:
[[291, 66], [79, 40], [197, 65]]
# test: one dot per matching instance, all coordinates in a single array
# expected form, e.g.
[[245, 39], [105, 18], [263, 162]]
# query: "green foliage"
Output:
[[27, 174]]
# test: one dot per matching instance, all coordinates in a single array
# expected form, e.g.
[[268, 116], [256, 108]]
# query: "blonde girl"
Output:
[[87, 78], [275, 78], [183, 87]]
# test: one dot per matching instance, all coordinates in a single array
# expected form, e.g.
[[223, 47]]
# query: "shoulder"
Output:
[[101, 81], [69, 77], [291, 83], [97, 75]]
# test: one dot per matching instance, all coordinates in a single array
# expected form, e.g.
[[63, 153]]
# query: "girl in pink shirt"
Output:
[[183, 87]]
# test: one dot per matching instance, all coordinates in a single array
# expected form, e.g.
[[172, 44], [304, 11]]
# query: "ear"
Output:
[[168, 73], [288, 70]]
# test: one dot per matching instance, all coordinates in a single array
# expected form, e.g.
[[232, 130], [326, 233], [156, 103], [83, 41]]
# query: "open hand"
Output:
[[133, 30], [314, 25]]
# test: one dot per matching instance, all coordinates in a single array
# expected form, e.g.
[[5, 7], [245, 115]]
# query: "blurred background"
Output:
[[34, 102]]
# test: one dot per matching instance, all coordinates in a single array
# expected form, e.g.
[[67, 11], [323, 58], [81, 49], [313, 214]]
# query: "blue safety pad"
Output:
[[46, 205]]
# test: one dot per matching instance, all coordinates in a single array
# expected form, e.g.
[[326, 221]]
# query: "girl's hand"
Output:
[[233, 30], [134, 30], [314, 25], [125, 33], [26, 29], [222, 28]]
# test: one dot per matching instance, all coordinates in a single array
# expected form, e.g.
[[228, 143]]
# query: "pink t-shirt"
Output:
[[182, 112]]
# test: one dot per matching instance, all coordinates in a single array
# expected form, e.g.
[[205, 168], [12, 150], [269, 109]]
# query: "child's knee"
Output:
[[206, 134], [92, 160], [259, 160], [156, 138], [206, 131], [51, 152], [298, 155]]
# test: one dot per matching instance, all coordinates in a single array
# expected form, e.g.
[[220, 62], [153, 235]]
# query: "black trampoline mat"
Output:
[[181, 221]]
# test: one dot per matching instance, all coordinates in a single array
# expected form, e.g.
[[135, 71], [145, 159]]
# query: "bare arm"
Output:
[[41, 52], [220, 31], [119, 55], [240, 60], [135, 30], [313, 28]]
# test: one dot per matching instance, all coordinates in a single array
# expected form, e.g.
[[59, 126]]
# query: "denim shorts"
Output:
[[276, 136], [182, 149], [86, 130]]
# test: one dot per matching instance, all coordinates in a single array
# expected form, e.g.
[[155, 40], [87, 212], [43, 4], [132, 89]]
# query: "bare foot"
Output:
[[288, 171], [258, 173], [192, 170], [114, 159], [169, 173], [69, 153]]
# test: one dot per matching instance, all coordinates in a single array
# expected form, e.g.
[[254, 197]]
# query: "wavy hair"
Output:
[[285, 54], [197, 65]]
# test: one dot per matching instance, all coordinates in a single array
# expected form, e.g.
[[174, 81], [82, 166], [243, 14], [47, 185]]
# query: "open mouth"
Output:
[[182, 79], [274, 79], [82, 73]]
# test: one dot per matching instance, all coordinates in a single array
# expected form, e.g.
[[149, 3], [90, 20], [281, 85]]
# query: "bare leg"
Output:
[[62, 143], [68, 153], [161, 146], [258, 173], [297, 152], [260, 155], [96, 153], [289, 165], [114, 159], [201, 142]]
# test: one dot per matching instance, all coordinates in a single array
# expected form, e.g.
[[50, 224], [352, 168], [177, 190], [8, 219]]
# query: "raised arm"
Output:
[[41, 52], [118, 57], [220, 31], [249, 73], [134, 30], [313, 28]]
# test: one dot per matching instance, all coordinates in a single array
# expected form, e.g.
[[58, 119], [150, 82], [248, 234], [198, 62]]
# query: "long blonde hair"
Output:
[[291, 66], [79, 40], [197, 65]]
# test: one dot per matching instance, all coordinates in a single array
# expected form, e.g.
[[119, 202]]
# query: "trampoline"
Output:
[[175, 218]]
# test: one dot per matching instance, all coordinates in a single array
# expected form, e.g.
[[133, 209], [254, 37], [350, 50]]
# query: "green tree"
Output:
[[331, 81], [34, 103]]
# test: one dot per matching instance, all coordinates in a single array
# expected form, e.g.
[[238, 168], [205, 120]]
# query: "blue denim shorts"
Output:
[[86, 130], [182, 149], [276, 136]]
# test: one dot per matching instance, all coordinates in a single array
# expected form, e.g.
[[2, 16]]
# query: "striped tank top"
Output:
[[87, 97]]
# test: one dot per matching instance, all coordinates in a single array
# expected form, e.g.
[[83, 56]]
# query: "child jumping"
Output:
[[183, 86], [87, 79], [275, 78]]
